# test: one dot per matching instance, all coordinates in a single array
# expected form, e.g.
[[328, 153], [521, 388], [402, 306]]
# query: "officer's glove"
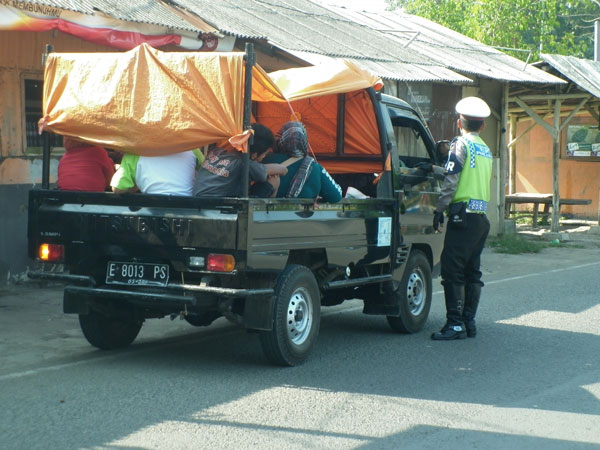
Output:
[[438, 221]]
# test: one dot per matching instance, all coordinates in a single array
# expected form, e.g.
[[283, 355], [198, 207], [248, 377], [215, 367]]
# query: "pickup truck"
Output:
[[269, 265]]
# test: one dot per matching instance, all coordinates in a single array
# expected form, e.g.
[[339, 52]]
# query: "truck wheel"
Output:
[[108, 333], [296, 317], [413, 294]]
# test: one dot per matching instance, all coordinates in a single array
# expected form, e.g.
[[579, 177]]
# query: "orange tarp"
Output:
[[313, 93], [149, 102], [335, 77]]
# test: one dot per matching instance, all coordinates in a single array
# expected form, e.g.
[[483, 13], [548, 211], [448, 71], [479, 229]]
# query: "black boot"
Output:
[[454, 328], [472, 294]]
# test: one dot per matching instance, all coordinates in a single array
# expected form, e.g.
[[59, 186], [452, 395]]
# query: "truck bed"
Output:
[[261, 234]]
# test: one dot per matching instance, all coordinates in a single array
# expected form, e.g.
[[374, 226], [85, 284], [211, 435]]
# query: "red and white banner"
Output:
[[102, 30]]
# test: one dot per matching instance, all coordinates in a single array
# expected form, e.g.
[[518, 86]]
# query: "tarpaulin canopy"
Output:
[[149, 102], [334, 77], [313, 94]]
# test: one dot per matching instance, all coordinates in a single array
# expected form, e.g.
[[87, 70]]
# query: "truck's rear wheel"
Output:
[[296, 317], [109, 332], [413, 294]]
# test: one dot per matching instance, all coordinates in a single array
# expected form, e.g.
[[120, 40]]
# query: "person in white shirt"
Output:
[[168, 175]]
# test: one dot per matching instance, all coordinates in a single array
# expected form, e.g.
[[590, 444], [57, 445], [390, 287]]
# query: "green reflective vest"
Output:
[[474, 182]]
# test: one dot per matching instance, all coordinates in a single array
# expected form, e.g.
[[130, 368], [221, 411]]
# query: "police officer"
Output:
[[465, 194]]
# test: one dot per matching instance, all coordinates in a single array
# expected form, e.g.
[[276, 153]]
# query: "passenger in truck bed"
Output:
[[168, 175], [305, 178], [84, 167], [221, 172]]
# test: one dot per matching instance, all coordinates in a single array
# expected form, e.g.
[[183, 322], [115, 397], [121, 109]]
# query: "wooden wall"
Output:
[[577, 179], [21, 56]]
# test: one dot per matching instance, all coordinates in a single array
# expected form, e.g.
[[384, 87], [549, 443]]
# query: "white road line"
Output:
[[108, 357], [26, 373], [535, 274]]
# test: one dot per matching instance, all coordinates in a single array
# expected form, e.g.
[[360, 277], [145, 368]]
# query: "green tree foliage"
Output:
[[539, 26]]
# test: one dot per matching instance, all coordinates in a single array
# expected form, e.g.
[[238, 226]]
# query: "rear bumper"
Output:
[[81, 290]]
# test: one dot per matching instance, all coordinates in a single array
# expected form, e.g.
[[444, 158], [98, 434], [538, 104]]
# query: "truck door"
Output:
[[417, 195]]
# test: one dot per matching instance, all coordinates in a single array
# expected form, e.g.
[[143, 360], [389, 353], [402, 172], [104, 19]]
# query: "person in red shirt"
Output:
[[84, 167]]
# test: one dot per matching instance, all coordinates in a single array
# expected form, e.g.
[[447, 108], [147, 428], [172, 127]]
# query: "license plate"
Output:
[[137, 274]]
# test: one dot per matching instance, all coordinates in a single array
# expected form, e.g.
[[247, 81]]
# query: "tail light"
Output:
[[220, 263], [51, 252]]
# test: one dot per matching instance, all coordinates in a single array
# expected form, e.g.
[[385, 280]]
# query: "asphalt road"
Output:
[[530, 380]]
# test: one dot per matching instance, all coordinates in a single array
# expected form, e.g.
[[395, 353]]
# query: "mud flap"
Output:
[[74, 303], [258, 313]]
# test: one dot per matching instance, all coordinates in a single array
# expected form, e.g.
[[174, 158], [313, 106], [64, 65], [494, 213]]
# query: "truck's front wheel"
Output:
[[109, 332], [296, 317], [413, 295]]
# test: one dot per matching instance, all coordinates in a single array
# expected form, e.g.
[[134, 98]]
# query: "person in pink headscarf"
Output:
[[84, 167]]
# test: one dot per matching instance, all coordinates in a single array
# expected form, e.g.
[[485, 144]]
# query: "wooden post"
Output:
[[512, 180], [502, 154], [555, 153]]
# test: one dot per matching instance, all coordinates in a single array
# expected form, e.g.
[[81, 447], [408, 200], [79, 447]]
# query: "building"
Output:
[[429, 65]]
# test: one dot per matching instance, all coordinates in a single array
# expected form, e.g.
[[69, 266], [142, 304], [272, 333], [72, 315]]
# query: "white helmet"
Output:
[[473, 108]]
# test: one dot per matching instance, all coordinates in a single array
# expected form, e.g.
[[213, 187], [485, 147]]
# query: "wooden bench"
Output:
[[536, 200]]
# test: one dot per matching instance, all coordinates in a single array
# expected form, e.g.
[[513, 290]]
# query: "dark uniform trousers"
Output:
[[460, 263]]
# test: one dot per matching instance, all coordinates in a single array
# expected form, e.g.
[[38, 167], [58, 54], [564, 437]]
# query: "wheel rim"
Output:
[[299, 316], [416, 292]]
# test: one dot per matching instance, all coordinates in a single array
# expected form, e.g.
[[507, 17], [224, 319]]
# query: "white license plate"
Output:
[[143, 274]]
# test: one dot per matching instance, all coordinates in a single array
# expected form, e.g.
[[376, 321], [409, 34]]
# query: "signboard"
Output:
[[102, 29], [583, 141]]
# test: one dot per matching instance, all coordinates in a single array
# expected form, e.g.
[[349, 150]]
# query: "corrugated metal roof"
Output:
[[141, 11], [398, 71], [310, 29], [393, 40], [397, 46], [447, 47], [585, 73], [301, 26]]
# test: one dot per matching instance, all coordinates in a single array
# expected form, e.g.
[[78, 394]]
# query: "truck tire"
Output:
[[108, 333], [296, 317], [413, 295]]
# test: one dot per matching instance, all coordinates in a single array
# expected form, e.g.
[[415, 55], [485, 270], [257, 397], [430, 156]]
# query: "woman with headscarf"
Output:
[[305, 178]]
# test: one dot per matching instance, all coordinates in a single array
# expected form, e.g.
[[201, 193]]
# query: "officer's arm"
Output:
[[454, 165]]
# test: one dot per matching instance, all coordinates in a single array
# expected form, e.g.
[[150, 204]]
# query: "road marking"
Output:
[[10, 376], [535, 274], [127, 352]]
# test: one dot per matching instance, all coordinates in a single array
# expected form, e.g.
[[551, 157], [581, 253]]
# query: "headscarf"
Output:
[[292, 139]]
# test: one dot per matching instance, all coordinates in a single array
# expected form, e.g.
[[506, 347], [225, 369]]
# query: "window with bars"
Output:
[[33, 112]]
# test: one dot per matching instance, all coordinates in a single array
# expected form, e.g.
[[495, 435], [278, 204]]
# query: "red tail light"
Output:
[[220, 263], [51, 252]]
